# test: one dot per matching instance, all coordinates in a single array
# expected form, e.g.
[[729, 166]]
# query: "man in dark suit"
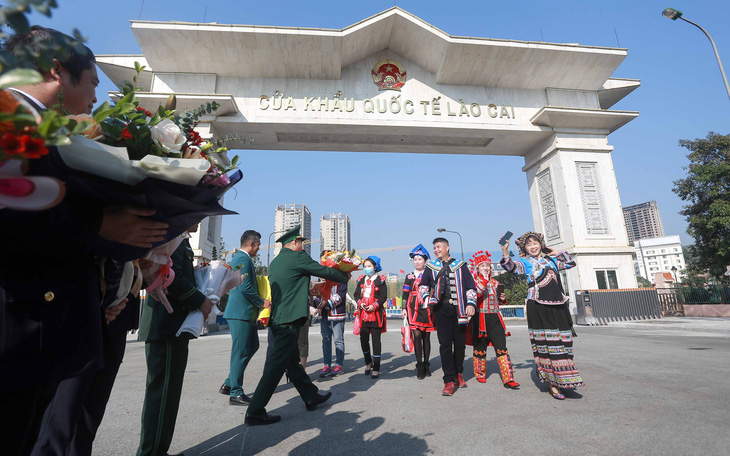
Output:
[[289, 275], [50, 294], [242, 311], [167, 354]]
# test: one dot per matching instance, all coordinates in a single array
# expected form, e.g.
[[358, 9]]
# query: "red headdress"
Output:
[[479, 258]]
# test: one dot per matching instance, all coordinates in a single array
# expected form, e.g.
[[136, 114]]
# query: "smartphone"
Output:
[[500, 290], [505, 238]]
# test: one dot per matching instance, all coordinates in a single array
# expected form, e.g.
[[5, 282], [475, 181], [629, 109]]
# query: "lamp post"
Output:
[[268, 251], [441, 230], [673, 14]]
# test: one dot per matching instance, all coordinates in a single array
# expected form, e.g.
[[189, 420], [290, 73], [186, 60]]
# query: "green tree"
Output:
[[214, 254], [261, 270], [707, 190], [515, 287]]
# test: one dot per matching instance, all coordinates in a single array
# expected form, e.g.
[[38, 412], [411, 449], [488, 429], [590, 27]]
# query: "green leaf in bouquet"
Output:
[[234, 162], [155, 119], [102, 112], [20, 77], [16, 20], [137, 67]]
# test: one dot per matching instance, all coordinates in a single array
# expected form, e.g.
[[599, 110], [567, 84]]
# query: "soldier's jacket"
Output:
[[289, 276]]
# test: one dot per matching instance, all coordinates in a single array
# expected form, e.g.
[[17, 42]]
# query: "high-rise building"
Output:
[[334, 232], [659, 255], [287, 217], [643, 221]]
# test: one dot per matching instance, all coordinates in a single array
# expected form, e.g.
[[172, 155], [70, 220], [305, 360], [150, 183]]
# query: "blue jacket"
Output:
[[244, 302]]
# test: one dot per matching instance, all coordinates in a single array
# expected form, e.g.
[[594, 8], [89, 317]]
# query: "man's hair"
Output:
[[75, 59], [440, 239], [250, 236]]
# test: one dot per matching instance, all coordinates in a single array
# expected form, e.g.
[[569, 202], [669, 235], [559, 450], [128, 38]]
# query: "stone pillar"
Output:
[[576, 205]]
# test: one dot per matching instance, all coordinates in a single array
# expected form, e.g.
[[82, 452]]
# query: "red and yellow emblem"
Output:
[[389, 75]]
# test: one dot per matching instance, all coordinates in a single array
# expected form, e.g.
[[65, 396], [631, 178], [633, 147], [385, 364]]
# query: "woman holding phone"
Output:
[[487, 325], [548, 320]]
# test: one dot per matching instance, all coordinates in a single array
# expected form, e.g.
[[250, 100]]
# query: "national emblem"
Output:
[[389, 74]]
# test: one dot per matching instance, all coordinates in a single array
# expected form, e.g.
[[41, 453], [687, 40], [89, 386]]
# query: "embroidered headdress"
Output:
[[420, 250], [479, 258], [522, 240]]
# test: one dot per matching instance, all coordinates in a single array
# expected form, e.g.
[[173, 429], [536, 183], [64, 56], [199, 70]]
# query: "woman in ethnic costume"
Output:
[[420, 318], [548, 320], [370, 294], [487, 325]]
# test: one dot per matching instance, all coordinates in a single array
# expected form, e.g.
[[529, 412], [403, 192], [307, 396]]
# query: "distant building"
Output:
[[334, 232], [659, 255], [207, 238], [287, 217], [643, 221]]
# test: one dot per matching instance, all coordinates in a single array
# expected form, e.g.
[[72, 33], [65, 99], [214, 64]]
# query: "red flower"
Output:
[[147, 113], [34, 147], [126, 134], [11, 144], [194, 138]]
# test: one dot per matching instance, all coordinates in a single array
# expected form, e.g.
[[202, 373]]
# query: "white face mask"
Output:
[[369, 271]]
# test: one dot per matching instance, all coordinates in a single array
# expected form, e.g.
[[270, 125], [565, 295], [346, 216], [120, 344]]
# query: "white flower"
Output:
[[168, 136]]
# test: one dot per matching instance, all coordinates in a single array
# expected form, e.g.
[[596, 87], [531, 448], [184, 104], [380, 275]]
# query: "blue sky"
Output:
[[392, 199]]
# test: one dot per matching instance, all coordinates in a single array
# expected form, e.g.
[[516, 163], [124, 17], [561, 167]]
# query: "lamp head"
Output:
[[674, 268], [440, 230], [671, 13]]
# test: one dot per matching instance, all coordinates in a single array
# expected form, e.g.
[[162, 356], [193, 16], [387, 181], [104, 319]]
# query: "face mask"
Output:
[[369, 271]]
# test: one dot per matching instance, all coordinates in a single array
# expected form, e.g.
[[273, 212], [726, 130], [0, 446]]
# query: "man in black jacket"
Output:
[[50, 293]]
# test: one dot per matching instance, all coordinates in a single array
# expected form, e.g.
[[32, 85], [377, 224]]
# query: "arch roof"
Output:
[[306, 53]]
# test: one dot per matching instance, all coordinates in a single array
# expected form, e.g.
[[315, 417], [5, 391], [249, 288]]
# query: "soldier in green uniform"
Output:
[[289, 275], [166, 354]]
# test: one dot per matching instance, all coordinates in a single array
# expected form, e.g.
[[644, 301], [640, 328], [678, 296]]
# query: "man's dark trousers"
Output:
[[166, 362], [245, 343], [452, 340], [285, 358]]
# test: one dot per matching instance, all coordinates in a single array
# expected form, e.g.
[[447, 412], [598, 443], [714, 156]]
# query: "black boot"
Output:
[[427, 369], [420, 371]]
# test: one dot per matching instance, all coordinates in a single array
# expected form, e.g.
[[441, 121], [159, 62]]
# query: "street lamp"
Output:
[[441, 230], [673, 14], [674, 273], [268, 250]]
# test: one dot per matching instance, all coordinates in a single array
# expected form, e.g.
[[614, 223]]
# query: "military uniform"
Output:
[[242, 310], [166, 354], [289, 275]]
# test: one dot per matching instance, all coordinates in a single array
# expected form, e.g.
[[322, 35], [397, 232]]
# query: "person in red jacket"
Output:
[[371, 294]]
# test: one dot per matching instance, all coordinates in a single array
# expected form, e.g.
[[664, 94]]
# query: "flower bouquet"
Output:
[[213, 280], [26, 135], [130, 156], [156, 270], [345, 261], [264, 288]]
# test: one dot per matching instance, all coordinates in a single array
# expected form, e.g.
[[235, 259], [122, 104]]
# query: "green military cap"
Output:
[[291, 235]]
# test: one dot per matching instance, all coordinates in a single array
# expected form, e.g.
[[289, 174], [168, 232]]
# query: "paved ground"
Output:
[[657, 387]]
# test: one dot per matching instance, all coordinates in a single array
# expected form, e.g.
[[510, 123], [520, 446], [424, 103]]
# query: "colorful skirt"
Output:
[[419, 318], [552, 345]]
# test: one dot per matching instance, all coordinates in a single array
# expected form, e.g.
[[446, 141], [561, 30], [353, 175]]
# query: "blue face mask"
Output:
[[369, 271]]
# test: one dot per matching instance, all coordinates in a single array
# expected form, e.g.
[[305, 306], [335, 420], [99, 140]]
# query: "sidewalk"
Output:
[[702, 324]]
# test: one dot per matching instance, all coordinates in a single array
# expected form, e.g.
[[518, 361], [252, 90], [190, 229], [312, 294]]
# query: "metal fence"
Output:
[[603, 306], [704, 295]]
